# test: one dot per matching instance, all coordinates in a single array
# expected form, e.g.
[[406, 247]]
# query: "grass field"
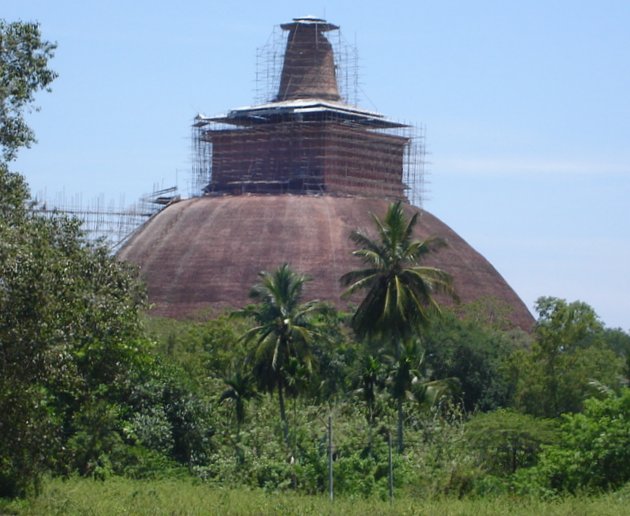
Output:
[[182, 497]]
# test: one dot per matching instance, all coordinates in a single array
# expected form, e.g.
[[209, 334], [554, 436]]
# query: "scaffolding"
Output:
[[270, 60], [414, 165], [108, 222], [305, 135], [316, 156]]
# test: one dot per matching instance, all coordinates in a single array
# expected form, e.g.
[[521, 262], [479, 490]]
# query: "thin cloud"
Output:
[[528, 166]]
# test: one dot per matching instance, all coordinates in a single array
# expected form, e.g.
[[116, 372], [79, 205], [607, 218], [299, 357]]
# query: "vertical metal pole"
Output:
[[330, 459], [390, 466]]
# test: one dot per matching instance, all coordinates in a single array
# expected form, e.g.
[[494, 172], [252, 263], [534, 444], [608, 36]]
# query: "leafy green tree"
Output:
[[73, 354], [171, 414], [507, 440], [619, 341], [284, 331], [205, 350], [67, 309], [400, 291], [27, 422], [592, 452], [568, 354], [476, 353], [29, 430], [70, 335], [68, 326], [335, 355], [24, 57]]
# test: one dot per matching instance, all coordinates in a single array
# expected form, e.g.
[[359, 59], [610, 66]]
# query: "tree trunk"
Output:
[[283, 414], [401, 444]]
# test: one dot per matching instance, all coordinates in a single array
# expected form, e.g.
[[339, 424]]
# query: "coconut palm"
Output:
[[371, 379], [284, 331], [399, 301], [407, 381], [240, 389]]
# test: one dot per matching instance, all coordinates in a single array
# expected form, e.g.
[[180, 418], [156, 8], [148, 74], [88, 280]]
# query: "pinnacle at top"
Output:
[[308, 71], [308, 89], [309, 20]]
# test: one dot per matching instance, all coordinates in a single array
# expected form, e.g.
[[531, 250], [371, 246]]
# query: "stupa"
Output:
[[287, 181]]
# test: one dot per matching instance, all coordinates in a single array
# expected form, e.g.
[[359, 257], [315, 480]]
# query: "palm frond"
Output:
[[375, 259], [400, 290], [400, 297], [408, 231], [363, 240], [369, 281]]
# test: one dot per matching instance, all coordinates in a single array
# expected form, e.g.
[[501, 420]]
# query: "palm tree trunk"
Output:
[[240, 416], [401, 415], [283, 414]]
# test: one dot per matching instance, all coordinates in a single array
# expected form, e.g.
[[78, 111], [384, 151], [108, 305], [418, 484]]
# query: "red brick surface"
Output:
[[207, 252], [297, 157]]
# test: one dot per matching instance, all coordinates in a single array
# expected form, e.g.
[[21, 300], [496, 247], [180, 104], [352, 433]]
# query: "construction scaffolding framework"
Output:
[[109, 222], [270, 61], [310, 157], [306, 135]]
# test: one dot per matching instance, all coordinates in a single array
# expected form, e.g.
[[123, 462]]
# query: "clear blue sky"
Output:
[[526, 106]]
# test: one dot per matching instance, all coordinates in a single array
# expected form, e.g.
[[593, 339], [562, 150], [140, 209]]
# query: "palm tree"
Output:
[[407, 381], [240, 389], [370, 381], [399, 301], [283, 333]]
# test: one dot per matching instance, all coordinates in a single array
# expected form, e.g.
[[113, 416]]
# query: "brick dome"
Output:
[[206, 253]]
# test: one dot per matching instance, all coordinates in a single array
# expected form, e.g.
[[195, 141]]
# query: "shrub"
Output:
[[594, 451], [506, 440]]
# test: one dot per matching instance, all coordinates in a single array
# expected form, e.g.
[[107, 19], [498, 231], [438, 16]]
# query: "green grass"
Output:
[[188, 497]]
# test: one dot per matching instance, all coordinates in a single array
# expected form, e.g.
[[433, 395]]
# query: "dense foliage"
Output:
[[571, 353], [593, 452], [85, 389], [78, 381], [281, 357], [80, 389]]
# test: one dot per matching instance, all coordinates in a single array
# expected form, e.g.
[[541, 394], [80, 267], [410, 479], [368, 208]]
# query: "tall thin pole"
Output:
[[330, 460], [390, 466]]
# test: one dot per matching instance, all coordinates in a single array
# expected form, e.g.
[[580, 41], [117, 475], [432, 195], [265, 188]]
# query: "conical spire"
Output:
[[308, 71]]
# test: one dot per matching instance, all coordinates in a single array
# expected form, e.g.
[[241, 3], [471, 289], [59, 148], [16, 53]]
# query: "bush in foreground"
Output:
[[594, 449]]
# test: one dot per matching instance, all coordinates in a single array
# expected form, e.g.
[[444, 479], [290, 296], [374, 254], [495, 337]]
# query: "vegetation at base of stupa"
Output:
[[92, 387]]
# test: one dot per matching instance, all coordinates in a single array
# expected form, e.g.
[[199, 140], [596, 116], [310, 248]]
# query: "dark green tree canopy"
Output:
[[593, 452], [569, 354], [24, 57]]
